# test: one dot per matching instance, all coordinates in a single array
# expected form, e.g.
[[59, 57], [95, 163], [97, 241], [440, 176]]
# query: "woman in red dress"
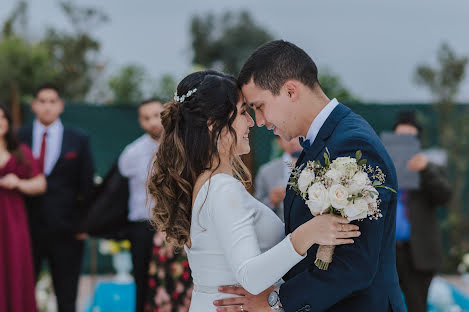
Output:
[[19, 174]]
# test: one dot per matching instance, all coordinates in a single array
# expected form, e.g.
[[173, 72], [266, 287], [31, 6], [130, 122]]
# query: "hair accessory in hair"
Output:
[[181, 99]]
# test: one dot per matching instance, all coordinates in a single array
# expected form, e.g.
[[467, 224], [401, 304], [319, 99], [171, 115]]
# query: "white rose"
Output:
[[334, 175], [306, 177], [358, 182], [318, 199], [338, 195], [347, 166], [357, 210]]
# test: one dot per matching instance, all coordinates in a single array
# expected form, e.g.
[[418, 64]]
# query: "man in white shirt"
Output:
[[272, 177], [135, 163]]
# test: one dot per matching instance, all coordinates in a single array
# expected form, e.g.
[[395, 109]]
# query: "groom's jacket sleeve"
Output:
[[354, 266]]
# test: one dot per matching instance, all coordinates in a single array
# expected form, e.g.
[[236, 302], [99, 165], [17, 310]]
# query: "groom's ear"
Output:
[[291, 88]]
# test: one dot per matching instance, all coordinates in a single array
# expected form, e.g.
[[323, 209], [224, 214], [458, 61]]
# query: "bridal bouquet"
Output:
[[345, 187]]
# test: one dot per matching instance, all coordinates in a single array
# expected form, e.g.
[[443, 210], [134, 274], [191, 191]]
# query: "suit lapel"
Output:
[[28, 136], [64, 147], [313, 153]]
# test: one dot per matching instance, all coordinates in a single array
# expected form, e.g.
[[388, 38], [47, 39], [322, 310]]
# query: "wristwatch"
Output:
[[274, 301]]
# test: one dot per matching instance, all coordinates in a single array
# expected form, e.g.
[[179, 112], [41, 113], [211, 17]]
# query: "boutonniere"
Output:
[[71, 155]]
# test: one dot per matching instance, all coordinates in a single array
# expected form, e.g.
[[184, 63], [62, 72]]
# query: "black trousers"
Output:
[[64, 255], [140, 235], [414, 283]]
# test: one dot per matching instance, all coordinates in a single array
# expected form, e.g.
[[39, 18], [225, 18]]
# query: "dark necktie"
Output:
[[305, 144], [42, 155]]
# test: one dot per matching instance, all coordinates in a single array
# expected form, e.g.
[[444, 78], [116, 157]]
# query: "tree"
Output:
[[17, 16], [166, 86], [333, 88], [23, 65], [444, 82], [126, 86], [225, 42], [75, 55]]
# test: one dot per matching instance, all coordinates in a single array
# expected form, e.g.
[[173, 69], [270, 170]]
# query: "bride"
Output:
[[198, 181]]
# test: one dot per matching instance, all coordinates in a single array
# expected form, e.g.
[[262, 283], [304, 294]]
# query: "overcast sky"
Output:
[[373, 46]]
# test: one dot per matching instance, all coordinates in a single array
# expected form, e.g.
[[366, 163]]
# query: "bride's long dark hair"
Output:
[[188, 148]]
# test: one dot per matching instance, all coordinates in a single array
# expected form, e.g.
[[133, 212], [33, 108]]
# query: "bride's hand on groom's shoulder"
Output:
[[245, 300], [324, 229]]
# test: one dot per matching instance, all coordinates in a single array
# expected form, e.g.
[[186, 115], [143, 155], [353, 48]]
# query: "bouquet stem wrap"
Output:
[[324, 256]]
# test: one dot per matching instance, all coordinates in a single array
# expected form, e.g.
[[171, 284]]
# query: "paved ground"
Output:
[[87, 283]]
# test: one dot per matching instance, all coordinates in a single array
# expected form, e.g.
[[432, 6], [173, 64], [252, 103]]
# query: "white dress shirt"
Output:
[[320, 119], [135, 164], [54, 139]]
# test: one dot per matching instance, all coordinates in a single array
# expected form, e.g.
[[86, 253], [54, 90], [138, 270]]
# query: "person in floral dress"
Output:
[[170, 282]]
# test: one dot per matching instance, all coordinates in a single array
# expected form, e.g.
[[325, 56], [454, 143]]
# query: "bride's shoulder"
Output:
[[226, 196], [222, 182]]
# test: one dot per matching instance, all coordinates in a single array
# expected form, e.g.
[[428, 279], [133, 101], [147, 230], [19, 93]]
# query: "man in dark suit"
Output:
[[419, 250], [279, 80], [55, 217]]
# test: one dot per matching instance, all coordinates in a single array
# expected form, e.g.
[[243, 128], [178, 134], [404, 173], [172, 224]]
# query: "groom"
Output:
[[279, 81]]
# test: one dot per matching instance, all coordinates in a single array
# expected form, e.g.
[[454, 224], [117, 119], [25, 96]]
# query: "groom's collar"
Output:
[[339, 113], [320, 119]]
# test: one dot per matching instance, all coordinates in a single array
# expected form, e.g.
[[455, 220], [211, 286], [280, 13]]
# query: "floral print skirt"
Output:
[[170, 282]]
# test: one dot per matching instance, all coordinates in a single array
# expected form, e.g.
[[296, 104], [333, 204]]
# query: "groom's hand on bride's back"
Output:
[[244, 302]]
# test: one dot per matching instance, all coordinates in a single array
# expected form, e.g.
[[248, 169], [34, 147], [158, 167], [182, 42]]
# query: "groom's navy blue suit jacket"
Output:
[[362, 276]]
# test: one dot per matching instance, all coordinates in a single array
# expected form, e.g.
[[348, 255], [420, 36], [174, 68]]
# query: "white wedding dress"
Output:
[[236, 240]]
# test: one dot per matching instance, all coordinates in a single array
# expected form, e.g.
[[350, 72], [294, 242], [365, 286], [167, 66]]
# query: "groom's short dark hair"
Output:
[[274, 62]]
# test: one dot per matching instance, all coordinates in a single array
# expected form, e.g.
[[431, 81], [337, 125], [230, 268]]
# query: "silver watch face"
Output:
[[273, 298]]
